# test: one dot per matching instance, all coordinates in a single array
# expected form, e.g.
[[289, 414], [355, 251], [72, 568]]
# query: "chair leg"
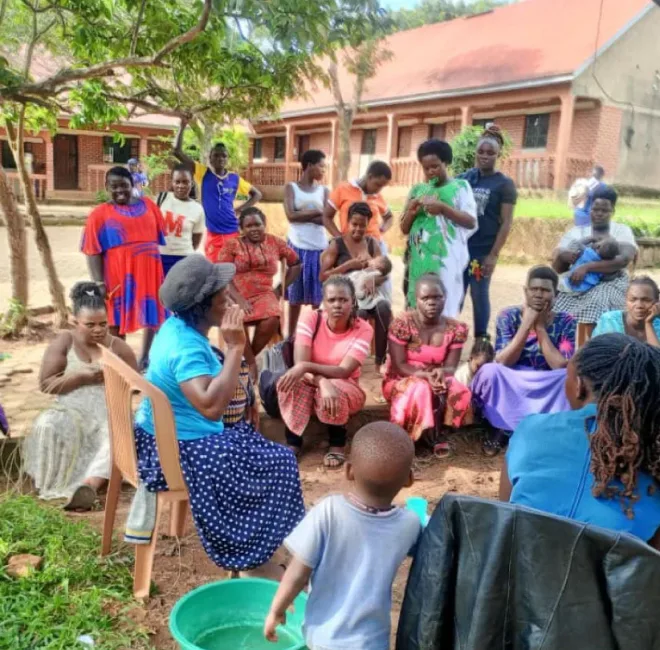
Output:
[[178, 512], [144, 559], [111, 500]]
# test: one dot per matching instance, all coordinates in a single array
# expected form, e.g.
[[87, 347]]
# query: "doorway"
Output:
[[303, 146], [65, 162], [367, 150]]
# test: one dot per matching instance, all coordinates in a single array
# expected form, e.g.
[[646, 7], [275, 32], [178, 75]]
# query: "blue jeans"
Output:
[[480, 293]]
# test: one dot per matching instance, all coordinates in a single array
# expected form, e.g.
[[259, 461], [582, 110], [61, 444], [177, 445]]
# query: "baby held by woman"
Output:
[[580, 277]]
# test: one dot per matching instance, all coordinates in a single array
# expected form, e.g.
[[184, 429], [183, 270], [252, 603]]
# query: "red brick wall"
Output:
[[90, 152], [608, 140], [585, 132], [38, 157], [321, 141], [404, 145], [420, 133], [381, 142]]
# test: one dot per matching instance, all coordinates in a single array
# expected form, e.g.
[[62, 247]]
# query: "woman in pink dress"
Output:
[[329, 351], [425, 349]]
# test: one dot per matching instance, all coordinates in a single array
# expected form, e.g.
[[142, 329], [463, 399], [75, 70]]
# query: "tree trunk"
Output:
[[41, 238], [344, 154], [17, 241]]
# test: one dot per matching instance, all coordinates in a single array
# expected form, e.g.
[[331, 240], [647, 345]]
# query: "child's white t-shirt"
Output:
[[354, 556], [182, 219]]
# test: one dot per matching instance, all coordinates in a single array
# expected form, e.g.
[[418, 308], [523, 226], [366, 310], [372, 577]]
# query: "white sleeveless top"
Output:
[[308, 236]]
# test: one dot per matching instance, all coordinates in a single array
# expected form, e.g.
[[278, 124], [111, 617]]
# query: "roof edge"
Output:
[[444, 94], [609, 43]]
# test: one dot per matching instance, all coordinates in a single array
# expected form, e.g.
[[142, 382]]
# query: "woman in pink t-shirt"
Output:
[[329, 351]]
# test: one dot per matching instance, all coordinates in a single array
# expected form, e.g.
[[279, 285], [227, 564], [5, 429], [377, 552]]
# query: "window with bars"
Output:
[[257, 151], [483, 123], [280, 148], [536, 131], [118, 152], [368, 142]]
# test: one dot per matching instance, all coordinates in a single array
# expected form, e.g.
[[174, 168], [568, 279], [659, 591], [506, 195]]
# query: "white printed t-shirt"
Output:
[[182, 219]]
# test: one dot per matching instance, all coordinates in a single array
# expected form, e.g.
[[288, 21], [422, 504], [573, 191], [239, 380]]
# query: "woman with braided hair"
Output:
[[599, 463]]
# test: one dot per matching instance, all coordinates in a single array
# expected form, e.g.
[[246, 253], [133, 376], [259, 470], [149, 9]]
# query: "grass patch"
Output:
[[74, 593], [642, 215]]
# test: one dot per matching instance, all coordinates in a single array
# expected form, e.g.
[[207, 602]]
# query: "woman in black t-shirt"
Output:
[[495, 195]]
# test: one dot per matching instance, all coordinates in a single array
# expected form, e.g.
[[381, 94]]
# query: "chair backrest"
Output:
[[121, 381]]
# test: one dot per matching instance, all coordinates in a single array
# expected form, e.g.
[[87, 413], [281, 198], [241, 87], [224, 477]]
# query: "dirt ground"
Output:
[[182, 565]]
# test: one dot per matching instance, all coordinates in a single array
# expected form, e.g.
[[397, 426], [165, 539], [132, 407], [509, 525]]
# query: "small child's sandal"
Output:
[[336, 456]]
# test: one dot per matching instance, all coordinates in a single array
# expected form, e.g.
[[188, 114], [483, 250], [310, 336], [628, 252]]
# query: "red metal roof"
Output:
[[526, 41]]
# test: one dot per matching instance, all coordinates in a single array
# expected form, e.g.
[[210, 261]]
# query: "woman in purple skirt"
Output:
[[533, 345]]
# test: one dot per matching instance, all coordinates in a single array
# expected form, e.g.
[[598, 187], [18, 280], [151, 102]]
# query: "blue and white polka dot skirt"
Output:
[[245, 492]]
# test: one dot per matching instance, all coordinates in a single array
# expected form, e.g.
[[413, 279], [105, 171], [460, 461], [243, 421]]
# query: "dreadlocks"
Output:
[[625, 376]]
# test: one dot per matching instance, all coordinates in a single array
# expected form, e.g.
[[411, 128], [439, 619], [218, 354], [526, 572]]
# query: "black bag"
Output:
[[277, 360]]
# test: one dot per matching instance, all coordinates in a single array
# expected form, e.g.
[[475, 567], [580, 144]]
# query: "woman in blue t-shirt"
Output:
[[495, 195], [245, 493], [600, 462]]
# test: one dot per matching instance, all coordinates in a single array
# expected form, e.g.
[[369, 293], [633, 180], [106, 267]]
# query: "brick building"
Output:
[[529, 66], [72, 163]]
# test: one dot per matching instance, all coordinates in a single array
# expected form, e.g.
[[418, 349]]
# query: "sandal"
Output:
[[336, 456], [379, 399], [441, 450], [82, 500]]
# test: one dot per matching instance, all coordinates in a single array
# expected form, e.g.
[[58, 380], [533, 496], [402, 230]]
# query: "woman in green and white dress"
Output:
[[439, 218]]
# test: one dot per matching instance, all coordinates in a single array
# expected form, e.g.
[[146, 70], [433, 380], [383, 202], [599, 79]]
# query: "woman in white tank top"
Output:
[[303, 203]]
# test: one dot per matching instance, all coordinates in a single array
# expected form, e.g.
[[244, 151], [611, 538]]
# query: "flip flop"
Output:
[[441, 450], [336, 456], [82, 500]]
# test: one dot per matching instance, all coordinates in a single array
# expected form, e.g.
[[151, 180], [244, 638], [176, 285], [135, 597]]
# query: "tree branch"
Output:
[[51, 84], [136, 31]]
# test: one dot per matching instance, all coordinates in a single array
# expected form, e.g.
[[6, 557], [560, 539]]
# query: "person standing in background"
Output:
[[183, 219], [581, 195], [140, 179], [304, 203], [495, 195], [218, 189]]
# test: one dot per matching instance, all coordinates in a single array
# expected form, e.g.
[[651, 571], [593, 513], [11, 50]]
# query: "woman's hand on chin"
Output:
[[232, 328], [654, 313]]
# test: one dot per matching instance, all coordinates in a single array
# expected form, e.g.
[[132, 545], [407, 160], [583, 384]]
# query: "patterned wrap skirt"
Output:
[[307, 288], [245, 493], [588, 307]]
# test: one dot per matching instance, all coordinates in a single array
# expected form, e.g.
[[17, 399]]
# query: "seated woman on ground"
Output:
[[609, 477], [641, 317], [360, 256], [425, 350], [329, 350], [533, 345], [245, 493], [610, 293], [67, 453], [256, 256]]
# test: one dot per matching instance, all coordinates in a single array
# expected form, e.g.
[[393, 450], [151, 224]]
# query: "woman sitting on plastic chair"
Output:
[[245, 492]]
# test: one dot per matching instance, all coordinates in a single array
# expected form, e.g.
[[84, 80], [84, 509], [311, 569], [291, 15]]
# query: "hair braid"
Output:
[[625, 376]]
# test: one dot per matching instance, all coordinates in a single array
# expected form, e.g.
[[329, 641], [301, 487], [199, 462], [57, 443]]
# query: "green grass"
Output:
[[642, 215], [73, 593]]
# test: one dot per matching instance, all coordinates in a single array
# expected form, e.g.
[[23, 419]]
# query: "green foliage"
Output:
[[13, 320], [74, 593], [428, 12], [464, 146]]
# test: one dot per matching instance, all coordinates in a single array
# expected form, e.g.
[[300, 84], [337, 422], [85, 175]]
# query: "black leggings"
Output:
[[382, 316], [336, 437]]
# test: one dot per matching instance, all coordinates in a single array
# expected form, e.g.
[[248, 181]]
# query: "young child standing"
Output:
[[482, 353], [351, 546]]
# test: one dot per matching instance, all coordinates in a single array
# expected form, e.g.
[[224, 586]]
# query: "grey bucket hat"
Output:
[[192, 280]]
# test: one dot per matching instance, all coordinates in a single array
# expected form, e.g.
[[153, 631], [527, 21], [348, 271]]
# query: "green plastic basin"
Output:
[[230, 615]]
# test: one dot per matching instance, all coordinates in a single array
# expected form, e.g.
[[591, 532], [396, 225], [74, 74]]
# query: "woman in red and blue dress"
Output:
[[121, 239]]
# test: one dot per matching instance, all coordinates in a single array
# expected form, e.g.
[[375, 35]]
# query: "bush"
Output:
[[464, 146]]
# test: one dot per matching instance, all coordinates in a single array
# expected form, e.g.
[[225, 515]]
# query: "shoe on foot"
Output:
[[82, 500]]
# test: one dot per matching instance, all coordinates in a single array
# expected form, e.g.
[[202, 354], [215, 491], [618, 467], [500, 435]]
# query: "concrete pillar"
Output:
[[392, 138], [466, 116], [50, 164], [289, 155], [563, 141], [143, 151]]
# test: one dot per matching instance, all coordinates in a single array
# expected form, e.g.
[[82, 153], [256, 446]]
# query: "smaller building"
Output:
[[528, 66], [71, 164]]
